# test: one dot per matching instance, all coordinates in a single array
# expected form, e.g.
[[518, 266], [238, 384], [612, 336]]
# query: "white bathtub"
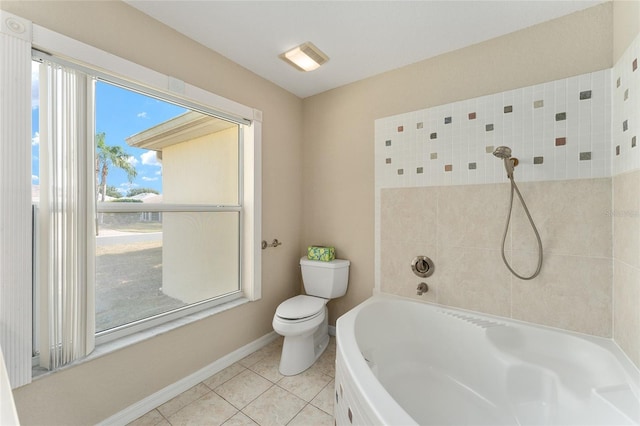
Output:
[[401, 362]]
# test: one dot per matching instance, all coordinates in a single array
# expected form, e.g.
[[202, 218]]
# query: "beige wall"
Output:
[[338, 200], [95, 390]]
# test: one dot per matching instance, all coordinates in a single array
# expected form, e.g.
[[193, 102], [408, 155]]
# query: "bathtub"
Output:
[[400, 362]]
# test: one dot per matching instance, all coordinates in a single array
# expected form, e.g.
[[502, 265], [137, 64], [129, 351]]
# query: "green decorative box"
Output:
[[325, 254]]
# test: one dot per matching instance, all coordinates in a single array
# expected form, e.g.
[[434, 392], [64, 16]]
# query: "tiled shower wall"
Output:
[[441, 193], [626, 202]]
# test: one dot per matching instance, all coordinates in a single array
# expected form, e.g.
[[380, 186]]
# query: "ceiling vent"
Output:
[[306, 57]]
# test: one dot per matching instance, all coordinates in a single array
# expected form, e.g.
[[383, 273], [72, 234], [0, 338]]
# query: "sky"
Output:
[[120, 113]]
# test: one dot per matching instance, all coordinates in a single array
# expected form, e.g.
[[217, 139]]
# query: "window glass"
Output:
[[152, 152]]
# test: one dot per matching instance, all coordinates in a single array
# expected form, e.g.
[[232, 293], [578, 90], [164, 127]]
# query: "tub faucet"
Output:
[[422, 288]]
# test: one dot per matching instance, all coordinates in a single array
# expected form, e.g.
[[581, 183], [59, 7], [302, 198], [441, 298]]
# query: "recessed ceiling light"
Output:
[[305, 57]]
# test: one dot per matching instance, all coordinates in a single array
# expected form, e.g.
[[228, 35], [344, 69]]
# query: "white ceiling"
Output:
[[361, 38]]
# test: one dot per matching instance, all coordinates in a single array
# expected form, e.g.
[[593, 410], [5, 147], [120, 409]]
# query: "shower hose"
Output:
[[514, 188]]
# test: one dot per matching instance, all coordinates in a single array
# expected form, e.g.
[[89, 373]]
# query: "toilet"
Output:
[[303, 320]]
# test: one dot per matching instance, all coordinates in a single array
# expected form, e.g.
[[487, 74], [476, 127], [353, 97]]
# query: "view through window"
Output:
[[168, 205]]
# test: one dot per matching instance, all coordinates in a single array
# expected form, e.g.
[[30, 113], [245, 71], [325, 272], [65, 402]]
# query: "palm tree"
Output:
[[106, 156]]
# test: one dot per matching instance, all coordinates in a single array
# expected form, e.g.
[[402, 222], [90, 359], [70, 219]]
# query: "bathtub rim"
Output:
[[377, 396]]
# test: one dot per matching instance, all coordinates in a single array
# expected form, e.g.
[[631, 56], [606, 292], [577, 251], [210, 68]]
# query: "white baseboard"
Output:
[[142, 407]]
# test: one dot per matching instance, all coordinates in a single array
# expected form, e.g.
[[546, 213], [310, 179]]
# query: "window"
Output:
[[171, 209]]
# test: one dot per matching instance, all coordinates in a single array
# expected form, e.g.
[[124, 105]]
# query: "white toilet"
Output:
[[302, 320]]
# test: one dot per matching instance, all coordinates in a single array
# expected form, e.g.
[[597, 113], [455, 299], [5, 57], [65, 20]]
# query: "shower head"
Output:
[[503, 152]]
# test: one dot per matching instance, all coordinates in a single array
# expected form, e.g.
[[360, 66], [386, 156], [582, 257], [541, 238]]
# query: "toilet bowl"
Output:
[[305, 339], [303, 319]]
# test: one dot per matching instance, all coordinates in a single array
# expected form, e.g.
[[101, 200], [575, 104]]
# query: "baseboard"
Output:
[[142, 407]]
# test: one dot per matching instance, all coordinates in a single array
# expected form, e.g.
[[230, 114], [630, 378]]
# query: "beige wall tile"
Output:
[[472, 215], [571, 292], [409, 214], [626, 218], [626, 312], [572, 217], [474, 279]]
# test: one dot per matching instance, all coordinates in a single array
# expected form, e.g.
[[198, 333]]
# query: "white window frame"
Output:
[[134, 76]]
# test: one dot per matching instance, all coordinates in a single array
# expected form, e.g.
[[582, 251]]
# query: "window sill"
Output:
[[120, 343]]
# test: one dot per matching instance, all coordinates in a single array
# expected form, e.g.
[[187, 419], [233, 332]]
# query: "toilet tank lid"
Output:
[[334, 264]]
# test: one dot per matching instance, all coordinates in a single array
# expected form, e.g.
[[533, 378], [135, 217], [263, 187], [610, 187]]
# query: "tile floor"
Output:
[[253, 392]]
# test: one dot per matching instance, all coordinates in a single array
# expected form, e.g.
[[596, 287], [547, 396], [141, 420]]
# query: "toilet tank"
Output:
[[325, 279]]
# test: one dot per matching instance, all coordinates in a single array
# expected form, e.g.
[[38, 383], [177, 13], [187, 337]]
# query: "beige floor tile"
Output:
[[152, 418], [210, 410], [311, 415], [240, 419], [224, 375], [243, 388], [326, 364], [326, 398], [182, 400], [274, 407], [268, 367], [305, 385]]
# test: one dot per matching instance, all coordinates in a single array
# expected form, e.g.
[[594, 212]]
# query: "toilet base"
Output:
[[301, 352]]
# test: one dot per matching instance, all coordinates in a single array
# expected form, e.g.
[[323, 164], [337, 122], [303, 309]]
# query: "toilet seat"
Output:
[[300, 308]]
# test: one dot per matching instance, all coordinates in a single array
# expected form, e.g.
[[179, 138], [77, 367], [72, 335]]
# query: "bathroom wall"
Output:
[[443, 194], [625, 89], [91, 392], [338, 131]]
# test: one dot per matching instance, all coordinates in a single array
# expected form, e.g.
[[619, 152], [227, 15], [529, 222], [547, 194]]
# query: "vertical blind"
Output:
[[65, 215], [15, 197]]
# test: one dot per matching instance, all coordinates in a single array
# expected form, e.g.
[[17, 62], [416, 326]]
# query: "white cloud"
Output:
[[34, 178], [35, 140], [148, 179], [142, 114], [133, 161], [149, 158]]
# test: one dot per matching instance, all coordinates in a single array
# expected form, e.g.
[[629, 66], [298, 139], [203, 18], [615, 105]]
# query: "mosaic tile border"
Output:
[[558, 130], [625, 87]]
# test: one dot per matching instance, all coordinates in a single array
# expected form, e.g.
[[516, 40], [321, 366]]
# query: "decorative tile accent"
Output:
[[625, 125], [557, 106], [634, 64], [617, 149], [387, 160], [633, 142], [618, 82], [585, 156], [626, 94], [419, 125], [400, 129]]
